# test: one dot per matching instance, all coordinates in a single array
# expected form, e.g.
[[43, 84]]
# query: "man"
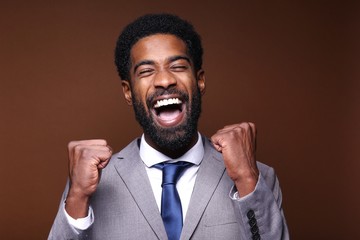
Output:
[[221, 193]]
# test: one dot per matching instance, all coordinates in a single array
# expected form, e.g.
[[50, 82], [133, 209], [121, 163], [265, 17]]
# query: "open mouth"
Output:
[[169, 111]]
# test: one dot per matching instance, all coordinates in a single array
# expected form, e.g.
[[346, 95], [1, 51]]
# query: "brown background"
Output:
[[292, 68]]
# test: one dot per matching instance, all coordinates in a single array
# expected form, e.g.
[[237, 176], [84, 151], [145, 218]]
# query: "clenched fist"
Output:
[[86, 160], [237, 144]]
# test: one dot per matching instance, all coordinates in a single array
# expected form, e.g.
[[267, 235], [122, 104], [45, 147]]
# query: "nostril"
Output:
[[164, 80]]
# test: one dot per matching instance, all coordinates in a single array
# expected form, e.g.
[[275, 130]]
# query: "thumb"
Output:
[[216, 143]]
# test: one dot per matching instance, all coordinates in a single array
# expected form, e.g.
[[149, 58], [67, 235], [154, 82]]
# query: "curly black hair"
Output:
[[151, 24]]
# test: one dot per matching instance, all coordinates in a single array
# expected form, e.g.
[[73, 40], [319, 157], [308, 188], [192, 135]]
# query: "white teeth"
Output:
[[165, 102]]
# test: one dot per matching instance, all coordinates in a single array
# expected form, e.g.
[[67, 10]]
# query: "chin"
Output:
[[173, 138]]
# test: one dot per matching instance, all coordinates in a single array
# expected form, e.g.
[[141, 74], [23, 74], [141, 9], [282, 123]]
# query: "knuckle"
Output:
[[101, 142], [71, 145], [77, 148], [251, 124], [234, 134], [238, 130]]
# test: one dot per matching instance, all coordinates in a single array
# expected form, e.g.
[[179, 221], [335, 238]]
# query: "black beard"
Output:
[[171, 139]]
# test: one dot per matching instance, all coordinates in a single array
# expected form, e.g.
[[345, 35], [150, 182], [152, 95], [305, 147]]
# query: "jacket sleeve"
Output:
[[260, 213], [61, 228]]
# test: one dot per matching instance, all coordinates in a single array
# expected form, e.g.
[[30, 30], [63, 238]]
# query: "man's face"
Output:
[[165, 92]]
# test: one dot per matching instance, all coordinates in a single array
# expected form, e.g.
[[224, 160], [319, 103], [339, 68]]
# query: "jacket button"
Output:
[[256, 236], [250, 214], [252, 222], [255, 230]]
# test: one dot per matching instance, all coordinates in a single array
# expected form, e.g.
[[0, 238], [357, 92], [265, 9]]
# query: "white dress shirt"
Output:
[[186, 182], [150, 157]]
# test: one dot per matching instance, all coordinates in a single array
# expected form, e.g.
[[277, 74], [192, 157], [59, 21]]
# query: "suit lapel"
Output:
[[132, 171], [210, 172]]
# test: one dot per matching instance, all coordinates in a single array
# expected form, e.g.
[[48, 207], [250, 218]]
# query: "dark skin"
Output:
[[161, 61], [168, 66]]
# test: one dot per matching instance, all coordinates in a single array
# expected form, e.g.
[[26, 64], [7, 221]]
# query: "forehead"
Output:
[[157, 47]]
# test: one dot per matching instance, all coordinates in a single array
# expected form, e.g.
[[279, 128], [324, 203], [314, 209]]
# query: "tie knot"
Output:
[[172, 171]]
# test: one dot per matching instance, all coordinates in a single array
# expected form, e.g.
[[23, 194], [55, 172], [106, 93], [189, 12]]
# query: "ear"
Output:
[[127, 91], [201, 81]]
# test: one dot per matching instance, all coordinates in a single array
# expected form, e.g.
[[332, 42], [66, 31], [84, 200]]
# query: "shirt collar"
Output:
[[151, 156]]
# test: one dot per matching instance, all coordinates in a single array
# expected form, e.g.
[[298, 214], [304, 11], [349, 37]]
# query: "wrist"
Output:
[[246, 185], [77, 205]]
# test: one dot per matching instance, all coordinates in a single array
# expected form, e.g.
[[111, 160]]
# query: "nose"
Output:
[[164, 79]]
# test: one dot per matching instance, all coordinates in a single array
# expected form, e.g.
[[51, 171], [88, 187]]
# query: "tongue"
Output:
[[168, 115]]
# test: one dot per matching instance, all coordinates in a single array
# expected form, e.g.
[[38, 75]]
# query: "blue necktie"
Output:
[[171, 211]]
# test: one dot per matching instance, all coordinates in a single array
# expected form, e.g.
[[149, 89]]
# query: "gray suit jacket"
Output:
[[125, 207]]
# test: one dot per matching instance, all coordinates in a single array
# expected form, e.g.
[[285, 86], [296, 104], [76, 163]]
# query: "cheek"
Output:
[[140, 94], [187, 81]]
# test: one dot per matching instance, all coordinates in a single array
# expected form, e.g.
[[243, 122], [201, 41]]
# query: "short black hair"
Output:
[[151, 24]]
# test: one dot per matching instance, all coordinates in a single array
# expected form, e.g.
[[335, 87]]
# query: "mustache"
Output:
[[160, 92]]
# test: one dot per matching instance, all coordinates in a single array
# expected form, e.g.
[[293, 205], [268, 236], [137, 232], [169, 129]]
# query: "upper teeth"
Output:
[[165, 102]]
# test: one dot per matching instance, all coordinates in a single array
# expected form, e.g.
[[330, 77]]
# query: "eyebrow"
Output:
[[179, 57], [144, 62], [170, 59]]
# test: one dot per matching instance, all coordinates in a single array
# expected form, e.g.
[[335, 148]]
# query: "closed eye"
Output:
[[179, 68], [145, 72]]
